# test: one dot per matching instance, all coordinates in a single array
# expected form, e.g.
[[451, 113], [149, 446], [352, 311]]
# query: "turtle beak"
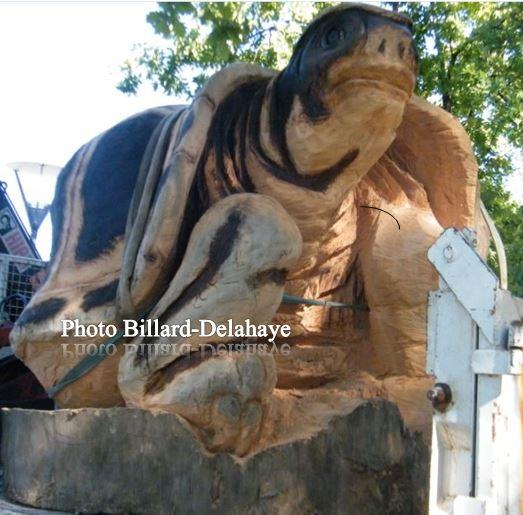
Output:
[[392, 44], [386, 59]]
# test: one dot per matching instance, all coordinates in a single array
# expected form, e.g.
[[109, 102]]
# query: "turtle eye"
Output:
[[332, 37]]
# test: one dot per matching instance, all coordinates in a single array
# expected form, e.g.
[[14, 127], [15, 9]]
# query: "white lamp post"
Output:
[[36, 182]]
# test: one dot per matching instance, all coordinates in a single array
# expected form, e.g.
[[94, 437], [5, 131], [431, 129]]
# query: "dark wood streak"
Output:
[[109, 183], [273, 275], [159, 379], [220, 249], [100, 296], [287, 171], [229, 134], [43, 311], [227, 143], [235, 131]]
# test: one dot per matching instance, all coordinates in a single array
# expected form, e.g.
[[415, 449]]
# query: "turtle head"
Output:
[[345, 88]]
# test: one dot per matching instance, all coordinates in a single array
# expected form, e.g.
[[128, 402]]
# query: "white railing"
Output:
[[475, 353]]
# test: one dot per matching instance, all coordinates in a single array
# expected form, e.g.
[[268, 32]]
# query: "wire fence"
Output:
[[19, 279]]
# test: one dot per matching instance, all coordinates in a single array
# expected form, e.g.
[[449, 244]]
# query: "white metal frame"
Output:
[[475, 347]]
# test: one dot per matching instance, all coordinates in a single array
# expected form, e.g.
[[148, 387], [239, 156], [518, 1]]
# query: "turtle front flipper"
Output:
[[234, 269]]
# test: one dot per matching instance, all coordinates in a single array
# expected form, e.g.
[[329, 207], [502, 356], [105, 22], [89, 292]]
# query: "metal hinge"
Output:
[[501, 361]]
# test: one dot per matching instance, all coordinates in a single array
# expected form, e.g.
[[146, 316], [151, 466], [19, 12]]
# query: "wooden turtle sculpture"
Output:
[[260, 186]]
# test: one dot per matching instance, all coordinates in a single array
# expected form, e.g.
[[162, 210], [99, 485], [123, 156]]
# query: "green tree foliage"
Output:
[[201, 38], [471, 63]]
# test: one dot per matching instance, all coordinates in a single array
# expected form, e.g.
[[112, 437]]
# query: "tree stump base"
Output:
[[123, 460]]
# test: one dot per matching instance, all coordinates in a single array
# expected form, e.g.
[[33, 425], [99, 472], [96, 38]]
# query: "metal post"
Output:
[[475, 353]]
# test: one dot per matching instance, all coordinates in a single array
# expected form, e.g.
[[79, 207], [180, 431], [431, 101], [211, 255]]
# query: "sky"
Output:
[[59, 66]]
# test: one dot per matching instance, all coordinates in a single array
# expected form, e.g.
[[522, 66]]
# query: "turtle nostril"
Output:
[[381, 48], [401, 50]]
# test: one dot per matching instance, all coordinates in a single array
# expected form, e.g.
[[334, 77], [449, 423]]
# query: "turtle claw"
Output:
[[235, 425], [224, 398], [228, 408], [251, 427]]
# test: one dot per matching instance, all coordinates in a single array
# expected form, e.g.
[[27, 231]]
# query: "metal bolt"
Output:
[[448, 253], [440, 396], [437, 394]]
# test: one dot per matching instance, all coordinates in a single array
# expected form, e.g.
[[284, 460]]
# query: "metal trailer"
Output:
[[475, 344], [19, 277], [20, 263]]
